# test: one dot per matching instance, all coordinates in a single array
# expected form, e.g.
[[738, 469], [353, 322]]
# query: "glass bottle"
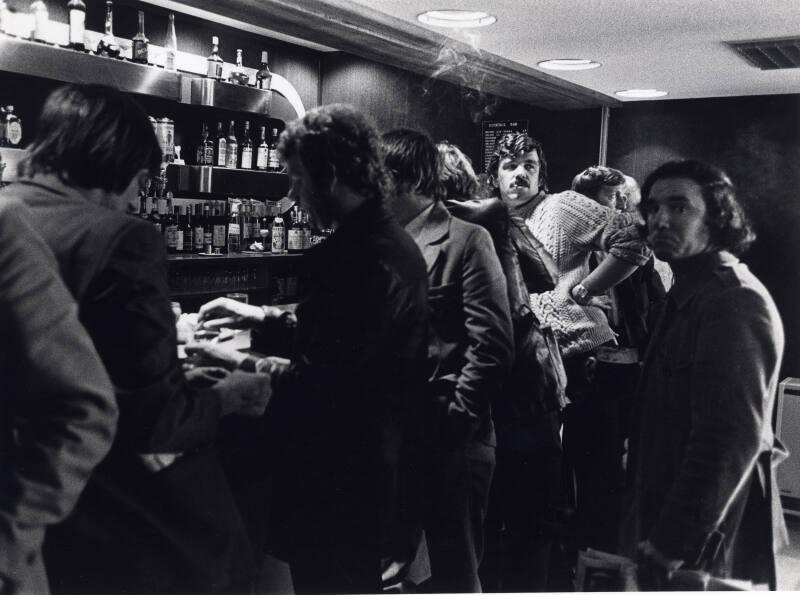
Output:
[[232, 151], [264, 76], [238, 76], [201, 147], [273, 163], [77, 24], [278, 235], [13, 128], [3, 16], [141, 45], [263, 151], [222, 146], [208, 230], [247, 148], [214, 62], [234, 243], [197, 230], [171, 46], [40, 20], [108, 45], [294, 234]]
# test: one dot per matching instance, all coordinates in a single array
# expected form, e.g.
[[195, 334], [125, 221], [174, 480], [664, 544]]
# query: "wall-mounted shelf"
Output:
[[52, 62], [228, 181], [266, 257]]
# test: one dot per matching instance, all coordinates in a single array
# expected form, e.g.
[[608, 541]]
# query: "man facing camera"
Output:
[[157, 514], [350, 393], [702, 490]]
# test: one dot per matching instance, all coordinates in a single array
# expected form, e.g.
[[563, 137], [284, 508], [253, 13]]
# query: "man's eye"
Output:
[[509, 166], [530, 167]]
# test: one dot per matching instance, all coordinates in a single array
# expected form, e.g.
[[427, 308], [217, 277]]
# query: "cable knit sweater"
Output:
[[570, 227]]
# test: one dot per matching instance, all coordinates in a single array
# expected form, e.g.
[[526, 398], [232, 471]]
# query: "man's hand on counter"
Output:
[[228, 313], [215, 354], [244, 393]]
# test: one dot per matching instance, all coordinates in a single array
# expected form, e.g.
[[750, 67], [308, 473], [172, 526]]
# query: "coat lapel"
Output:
[[433, 231]]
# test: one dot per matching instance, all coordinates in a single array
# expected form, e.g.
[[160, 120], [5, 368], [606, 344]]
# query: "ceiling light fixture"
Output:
[[456, 19], [569, 64], [641, 93]]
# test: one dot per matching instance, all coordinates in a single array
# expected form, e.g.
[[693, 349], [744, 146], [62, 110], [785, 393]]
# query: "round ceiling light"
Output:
[[457, 19], [641, 93], [569, 64]]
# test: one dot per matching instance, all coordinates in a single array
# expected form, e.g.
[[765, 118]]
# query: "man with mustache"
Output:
[[702, 489], [569, 227]]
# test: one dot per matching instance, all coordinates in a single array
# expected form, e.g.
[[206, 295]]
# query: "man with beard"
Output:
[[569, 227], [703, 492], [353, 387]]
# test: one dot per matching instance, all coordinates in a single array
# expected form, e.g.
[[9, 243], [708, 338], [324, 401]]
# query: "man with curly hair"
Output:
[[703, 494]]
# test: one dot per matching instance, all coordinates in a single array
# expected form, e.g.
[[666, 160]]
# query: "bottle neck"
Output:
[[141, 24], [109, 21]]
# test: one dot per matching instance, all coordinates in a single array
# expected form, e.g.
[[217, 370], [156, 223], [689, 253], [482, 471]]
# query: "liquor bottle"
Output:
[[3, 16], [247, 148], [278, 238], [221, 146], [265, 226], [201, 146], [13, 132], [141, 45], [244, 220], [263, 151], [142, 204], [219, 226], [108, 45], [197, 233], [214, 62], [273, 163], [186, 229], [154, 217], [171, 46], [306, 227], [208, 230], [172, 228], [77, 24], [264, 76], [254, 226], [294, 233], [232, 151], [40, 20], [238, 76], [234, 231], [163, 215]]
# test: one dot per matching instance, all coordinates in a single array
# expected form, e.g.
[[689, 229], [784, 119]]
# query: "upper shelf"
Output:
[[56, 63]]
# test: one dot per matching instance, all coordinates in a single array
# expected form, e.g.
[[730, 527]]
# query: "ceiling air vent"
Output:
[[770, 54]]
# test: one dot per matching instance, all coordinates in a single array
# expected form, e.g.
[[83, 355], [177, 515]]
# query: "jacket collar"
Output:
[[692, 273], [430, 229]]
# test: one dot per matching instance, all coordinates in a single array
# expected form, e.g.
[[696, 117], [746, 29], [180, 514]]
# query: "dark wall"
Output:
[[757, 141], [397, 98]]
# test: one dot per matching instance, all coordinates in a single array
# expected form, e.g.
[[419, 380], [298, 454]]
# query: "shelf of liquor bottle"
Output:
[[49, 61], [225, 180], [206, 258]]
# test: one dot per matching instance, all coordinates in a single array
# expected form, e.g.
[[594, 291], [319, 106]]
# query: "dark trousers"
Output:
[[336, 569], [595, 428], [457, 494], [523, 521]]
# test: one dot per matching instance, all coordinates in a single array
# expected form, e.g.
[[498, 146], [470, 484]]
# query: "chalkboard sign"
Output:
[[494, 129]]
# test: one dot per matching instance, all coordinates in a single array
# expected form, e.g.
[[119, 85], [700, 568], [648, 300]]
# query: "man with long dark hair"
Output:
[[157, 515], [702, 486]]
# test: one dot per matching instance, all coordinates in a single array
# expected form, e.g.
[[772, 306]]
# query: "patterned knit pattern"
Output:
[[570, 227]]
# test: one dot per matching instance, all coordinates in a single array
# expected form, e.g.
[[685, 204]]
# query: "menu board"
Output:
[[494, 129]]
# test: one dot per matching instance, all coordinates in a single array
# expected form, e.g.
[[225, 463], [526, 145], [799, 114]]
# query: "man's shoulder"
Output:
[[389, 245]]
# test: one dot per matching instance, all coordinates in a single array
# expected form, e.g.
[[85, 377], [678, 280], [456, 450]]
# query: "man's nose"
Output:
[[659, 218]]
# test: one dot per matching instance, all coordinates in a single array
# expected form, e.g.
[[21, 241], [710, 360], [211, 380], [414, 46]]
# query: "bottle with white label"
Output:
[[234, 230], [278, 235], [232, 150], [273, 162], [262, 156], [294, 241], [40, 20], [247, 148], [77, 24], [13, 128]]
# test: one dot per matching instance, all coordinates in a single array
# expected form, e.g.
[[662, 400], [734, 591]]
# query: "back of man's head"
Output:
[[337, 143], [457, 176], [412, 161], [592, 179], [92, 136], [513, 145]]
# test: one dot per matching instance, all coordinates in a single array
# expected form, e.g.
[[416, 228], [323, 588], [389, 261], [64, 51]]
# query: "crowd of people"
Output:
[[483, 379]]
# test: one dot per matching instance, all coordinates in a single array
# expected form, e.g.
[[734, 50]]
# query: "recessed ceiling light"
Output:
[[569, 64], [641, 93], [457, 19]]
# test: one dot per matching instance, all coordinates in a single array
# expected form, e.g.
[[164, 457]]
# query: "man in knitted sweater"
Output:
[[570, 227]]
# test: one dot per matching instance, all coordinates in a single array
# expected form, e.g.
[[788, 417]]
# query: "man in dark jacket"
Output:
[[351, 392], [57, 411], [703, 493], [157, 515], [469, 356]]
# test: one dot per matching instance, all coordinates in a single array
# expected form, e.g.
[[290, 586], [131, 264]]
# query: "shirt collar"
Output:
[[691, 273]]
